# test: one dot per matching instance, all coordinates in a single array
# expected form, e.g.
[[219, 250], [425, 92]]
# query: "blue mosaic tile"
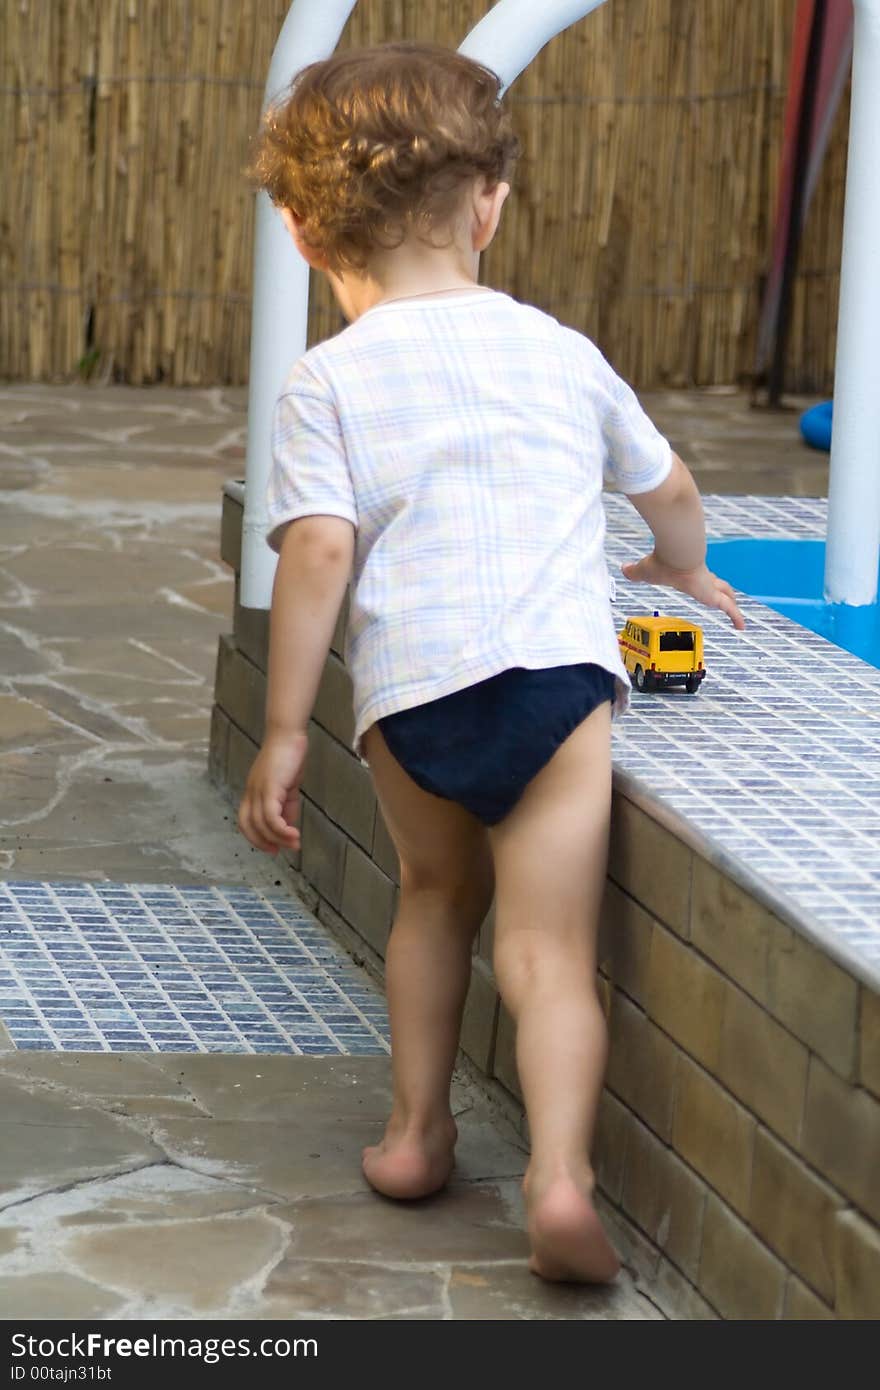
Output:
[[97, 967], [777, 759]]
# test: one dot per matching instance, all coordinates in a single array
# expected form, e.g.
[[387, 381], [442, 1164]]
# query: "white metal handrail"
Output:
[[281, 297], [515, 31], [852, 553], [506, 40]]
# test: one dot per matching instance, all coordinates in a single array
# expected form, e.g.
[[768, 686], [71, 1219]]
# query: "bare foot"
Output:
[[568, 1242], [410, 1164]]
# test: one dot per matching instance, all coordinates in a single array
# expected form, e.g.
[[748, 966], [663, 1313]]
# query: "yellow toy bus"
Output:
[[659, 652]]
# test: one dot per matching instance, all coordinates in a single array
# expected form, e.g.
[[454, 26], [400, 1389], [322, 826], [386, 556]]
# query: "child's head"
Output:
[[375, 145]]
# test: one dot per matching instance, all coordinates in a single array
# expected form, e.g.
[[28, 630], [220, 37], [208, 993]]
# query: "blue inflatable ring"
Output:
[[816, 425]]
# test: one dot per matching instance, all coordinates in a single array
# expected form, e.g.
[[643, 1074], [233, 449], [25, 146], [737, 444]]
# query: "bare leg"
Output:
[[550, 857], [446, 886]]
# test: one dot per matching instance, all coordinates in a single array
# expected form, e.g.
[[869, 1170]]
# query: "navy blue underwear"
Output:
[[483, 745]]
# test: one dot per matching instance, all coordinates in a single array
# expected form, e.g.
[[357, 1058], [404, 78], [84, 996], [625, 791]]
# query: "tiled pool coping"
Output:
[[773, 771]]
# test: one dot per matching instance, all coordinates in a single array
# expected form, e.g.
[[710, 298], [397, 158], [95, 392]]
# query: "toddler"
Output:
[[446, 452]]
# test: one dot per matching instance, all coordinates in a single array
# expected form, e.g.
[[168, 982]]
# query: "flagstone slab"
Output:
[[104, 1077], [167, 824], [180, 1267], [126, 477], [283, 1089], [95, 802], [126, 690], [35, 856], [40, 1296], [510, 1292], [156, 1193], [9, 1241], [167, 721], [84, 571], [19, 528], [474, 1222], [46, 1142], [312, 1157], [145, 617], [16, 657], [119, 658], [24, 722], [29, 782], [80, 716], [198, 656], [217, 595], [299, 1288]]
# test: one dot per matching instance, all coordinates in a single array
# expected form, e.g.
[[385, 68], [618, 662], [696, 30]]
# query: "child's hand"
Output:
[[699, 583], [270, 804]]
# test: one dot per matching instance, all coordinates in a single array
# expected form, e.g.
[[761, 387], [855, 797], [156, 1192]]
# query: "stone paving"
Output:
[[137, 1185], [228, 1188], [160, 1186], [112, 596]]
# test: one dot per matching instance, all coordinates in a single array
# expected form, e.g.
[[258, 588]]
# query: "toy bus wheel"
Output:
[[692, 685], [641, 681]]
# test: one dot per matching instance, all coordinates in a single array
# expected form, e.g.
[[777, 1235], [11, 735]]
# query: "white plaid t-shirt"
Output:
[[466, 437]]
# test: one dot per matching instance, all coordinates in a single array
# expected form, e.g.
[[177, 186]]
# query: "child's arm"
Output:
[[313, 569], [674, 513]]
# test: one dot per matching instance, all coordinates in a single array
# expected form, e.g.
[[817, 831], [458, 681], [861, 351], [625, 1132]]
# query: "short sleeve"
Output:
[[638, 457], [310, 475]]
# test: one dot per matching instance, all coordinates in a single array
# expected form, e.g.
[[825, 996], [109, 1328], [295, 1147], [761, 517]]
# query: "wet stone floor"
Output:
[[228, 1187], [189, 1065]]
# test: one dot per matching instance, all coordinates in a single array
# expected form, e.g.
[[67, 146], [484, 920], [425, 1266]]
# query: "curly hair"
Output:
[[374, 142]]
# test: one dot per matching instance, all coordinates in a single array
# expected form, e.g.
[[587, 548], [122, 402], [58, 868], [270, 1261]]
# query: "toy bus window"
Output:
[[645, 637], [676, 641]]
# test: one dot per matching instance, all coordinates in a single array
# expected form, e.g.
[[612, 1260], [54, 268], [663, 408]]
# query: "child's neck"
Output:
[[406, 273]]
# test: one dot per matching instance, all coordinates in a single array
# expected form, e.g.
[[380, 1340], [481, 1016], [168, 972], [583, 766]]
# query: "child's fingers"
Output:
[[266, 820], [727, 603], [720, 595], [265, 845], [274, 822], [638, 571], [250, 831], [722, 585]]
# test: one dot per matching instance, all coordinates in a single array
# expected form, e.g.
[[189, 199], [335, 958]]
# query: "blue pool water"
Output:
[[788, 575]]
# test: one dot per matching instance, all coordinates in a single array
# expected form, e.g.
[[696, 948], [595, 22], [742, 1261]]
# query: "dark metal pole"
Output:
[[776, 374]]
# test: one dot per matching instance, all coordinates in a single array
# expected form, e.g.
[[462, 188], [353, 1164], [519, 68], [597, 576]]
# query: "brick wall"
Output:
[[738, 1146]]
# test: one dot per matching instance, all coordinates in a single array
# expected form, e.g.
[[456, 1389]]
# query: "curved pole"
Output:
[[853, 548], [515, 31], [507, 40], [281, 297]]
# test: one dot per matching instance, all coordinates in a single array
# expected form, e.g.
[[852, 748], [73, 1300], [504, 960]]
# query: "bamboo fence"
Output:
[[641, 213]]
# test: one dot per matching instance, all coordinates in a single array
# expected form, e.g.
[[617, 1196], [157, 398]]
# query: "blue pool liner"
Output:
[[788, 576]]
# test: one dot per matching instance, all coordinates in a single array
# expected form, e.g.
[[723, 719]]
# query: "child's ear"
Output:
[[316, 259], [488, 207]]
